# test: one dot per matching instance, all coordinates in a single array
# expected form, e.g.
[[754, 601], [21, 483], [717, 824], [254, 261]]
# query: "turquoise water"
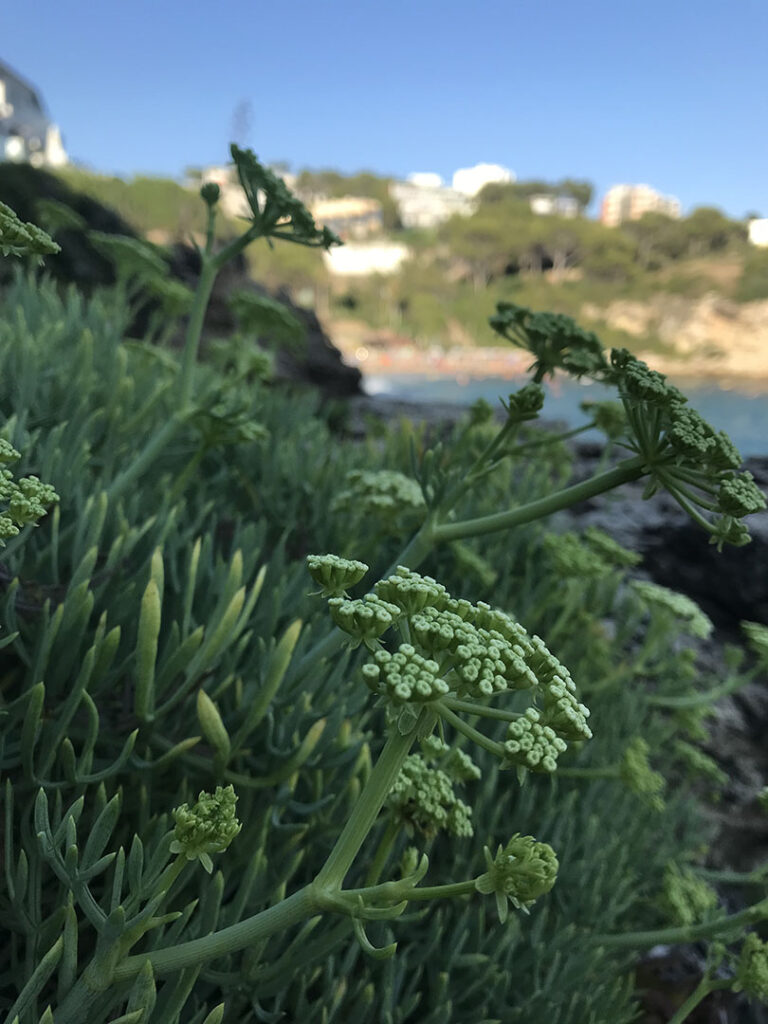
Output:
[[743, 416]]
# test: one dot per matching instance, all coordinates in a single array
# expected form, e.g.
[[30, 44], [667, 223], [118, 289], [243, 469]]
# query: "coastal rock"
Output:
[[319, 364], [709, 336], [78, 263]]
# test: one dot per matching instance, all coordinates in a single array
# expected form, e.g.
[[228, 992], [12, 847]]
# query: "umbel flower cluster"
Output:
[[25, 500], [682, 453], [18, 238], [686, 456], [453, 656]]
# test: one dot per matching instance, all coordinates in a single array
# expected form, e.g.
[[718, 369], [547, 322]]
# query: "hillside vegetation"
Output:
[[462, 267]]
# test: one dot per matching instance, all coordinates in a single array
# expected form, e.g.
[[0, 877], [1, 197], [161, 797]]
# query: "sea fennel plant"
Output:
[[190, 639]]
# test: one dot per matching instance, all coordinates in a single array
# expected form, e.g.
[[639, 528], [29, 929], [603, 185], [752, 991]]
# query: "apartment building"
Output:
[[349, 216], [27, 135], [630, 202]]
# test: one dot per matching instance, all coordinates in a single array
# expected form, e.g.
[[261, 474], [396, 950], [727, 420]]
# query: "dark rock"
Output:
[[319, 364], [78, 263]]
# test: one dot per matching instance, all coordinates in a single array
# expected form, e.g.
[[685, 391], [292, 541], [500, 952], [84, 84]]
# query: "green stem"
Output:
[[756, 877], [702, 990], [497, 749], [382, 853], [693, 700], [156, 445], [686, 933], [366, 810], [611, 772], [629, 469], [205, 284], [551, 439], [283, 915], [471, 708]]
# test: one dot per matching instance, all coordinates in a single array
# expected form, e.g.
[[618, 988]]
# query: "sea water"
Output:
[[742, 415]]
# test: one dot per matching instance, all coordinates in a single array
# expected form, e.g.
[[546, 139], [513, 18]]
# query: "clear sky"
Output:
[[672, 93]]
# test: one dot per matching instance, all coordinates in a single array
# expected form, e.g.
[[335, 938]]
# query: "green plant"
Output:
[[161, 655]]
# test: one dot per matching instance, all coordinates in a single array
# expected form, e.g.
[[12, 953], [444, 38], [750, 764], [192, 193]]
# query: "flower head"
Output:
[[686, 898], [556, 341], [207, 827], [274, 208], [335, 575], [20, 239], [520, 873], [752, 968], [636, 773]]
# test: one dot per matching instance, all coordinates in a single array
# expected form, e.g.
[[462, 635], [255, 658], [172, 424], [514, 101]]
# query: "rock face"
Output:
[[78, 263], [730, 585], [711, 335], [320, 364]]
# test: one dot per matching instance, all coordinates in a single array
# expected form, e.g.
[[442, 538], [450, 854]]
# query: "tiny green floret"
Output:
[[556, 341], [520, 873], [365, 620], [636, 773], [686, 898], [207, 827], [752, 968], [424, 799], [275, 211], [23, 239], [683, 608], [335, 575]]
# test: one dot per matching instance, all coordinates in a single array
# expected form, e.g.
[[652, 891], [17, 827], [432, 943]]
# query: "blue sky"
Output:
[[669, 93]]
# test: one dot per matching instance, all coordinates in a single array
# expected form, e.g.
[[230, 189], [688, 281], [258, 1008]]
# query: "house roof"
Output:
[[6, 71]]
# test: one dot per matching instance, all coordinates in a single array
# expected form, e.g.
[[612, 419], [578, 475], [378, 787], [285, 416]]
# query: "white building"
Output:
[[27, 135], [425, 206], [546, 205], [469, 180], [758, 232], [359, 259], [630, 202]]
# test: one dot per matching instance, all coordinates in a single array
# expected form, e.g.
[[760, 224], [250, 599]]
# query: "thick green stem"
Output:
[[702, 990], [283, 915], [205, 284], [469, 707], [366, 810], [629, 469], [686, 933]]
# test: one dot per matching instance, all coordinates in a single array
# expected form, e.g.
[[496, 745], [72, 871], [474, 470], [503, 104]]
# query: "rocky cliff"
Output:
[[709, 337]]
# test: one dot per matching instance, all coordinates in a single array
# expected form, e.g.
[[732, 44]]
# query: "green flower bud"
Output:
[[637, 774], [752, 968], [686, 898], [695, 622], [7, 452], [423, 798], [334, 574], [20, 239], [520, 873], [365, 620], [207, 827], [210, 193]]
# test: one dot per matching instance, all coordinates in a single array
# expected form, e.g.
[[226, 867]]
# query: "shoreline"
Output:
[[436, 361]]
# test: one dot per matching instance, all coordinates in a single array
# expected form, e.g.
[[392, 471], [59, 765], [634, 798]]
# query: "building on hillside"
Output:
[[758, 231], [426, 205], [232, 201], [349, 216], [27, 135], [469, 180], [630, 202], [546, 205], [359, 259]]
